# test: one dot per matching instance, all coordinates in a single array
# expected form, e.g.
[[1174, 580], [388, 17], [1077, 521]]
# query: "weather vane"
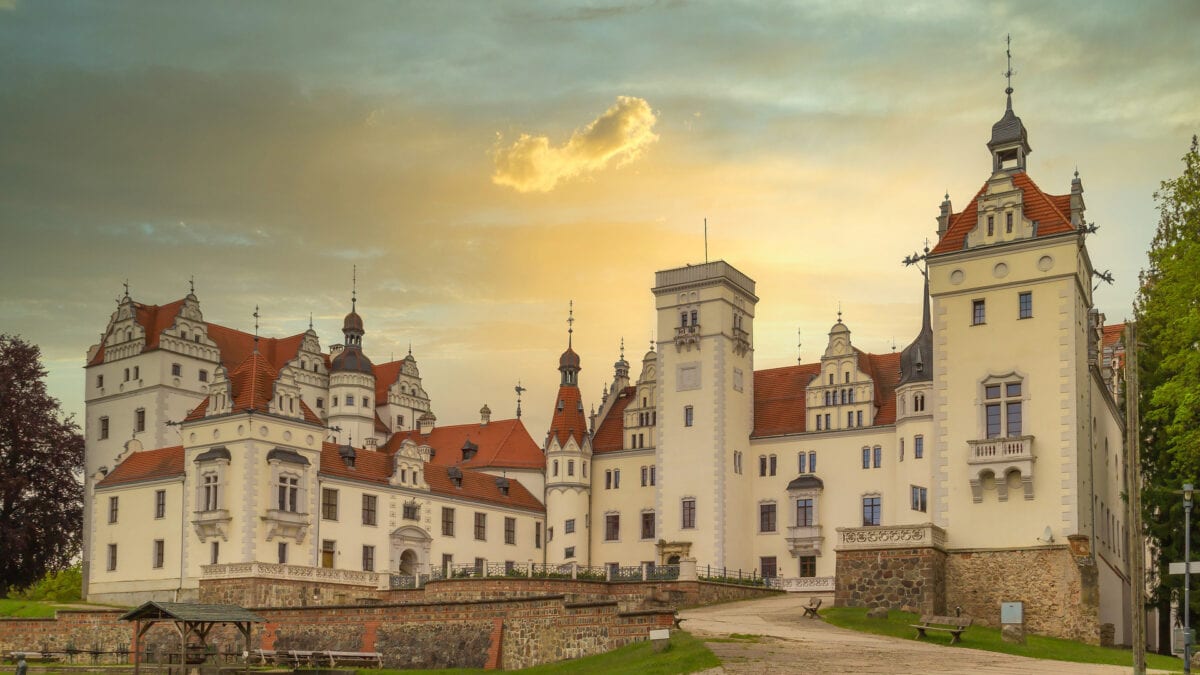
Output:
[[519, 390], [916, 259], [255, 315]]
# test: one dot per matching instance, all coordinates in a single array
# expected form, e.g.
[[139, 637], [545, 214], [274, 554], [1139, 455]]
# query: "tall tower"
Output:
[[352, 384], [568, 456], [705, 412]]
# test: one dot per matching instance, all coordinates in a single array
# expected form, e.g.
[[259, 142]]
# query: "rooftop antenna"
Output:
[[255, 329], [570, 322], [520, 390], [706, 240], [1010, 72]]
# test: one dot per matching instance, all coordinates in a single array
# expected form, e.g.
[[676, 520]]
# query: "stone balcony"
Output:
[[686, 336], [741, 341], [804, 540], [891, 536], [993, 460], [211, 524], [288, 524]]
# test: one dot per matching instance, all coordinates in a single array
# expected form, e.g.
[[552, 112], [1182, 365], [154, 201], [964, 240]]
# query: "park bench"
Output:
[[294, 658], [954, 625], [261, 656], [811, 609], [374, 659]]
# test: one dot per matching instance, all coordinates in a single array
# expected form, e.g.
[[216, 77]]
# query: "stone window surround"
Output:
[[759, 512]]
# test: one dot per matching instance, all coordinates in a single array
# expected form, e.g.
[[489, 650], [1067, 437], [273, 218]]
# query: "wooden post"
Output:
[[137, 650]]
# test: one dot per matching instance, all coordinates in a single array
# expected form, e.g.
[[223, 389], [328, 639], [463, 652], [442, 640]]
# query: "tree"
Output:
[[41, 463], [1167, 310]]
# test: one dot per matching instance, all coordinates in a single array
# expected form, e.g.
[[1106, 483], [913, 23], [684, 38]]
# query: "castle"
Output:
[[983, 463]]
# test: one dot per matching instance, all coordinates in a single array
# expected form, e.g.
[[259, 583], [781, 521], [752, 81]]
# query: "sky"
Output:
[[483, 164]]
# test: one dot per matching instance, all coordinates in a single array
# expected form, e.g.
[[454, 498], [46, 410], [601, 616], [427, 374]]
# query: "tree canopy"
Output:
[[41, 467], [1167, 310]]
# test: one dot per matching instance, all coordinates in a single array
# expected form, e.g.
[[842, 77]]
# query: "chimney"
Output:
[[485, 415], [334, 350], [455, 476], [370, 444], [425, 423]]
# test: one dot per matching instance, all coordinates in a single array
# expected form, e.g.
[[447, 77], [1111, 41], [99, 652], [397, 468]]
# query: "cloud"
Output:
[[8, 5], [531, 164]]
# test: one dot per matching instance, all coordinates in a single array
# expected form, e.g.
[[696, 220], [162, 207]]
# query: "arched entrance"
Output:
[[408, 562], [673, 560], [410, 550]]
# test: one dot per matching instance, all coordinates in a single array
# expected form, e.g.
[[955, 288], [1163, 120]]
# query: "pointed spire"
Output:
[[839, 311], [255, 329], [570, 321], [1009, 72], [354, 290], [410, 347], [799, 354]]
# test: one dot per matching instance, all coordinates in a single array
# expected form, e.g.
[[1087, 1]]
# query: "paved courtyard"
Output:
[[793, 644]]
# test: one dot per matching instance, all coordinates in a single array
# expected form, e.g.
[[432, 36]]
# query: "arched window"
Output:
[[918, 402]]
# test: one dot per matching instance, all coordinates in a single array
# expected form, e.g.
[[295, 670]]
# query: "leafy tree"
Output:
[[41, 462], [1168, 316]]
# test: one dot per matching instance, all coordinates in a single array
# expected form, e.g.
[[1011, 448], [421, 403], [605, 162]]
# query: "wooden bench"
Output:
[[44, 657], [374, 659], [294, 658], [811, 609], [260, 656], [954, 625]]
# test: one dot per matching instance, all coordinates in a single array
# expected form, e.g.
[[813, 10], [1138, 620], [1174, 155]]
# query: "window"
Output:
[[827, 392], [103, 428], [866, 456], [113, 507], [412, 511], [349, 399], [209, 492], [878, 456], [569, 526], [328, 548], [901, 450], [991, 225], [1008, 222], [480, 526], [818, 423], [214, 553], [137, 370], [849, 418], [329, 503], [160, 549], [918, 498], [608, 479], [827, 424], [767, 565], [918, 402], [369, 503], [139, 420], [1004, 398], [1025, 305], [762, 465], [585, 469], [510, 530], [447, 521], [289, 490], [689, 514], [335, 400], [804, 513], [366, 402], [281, 553], [645, 476], [858, 418], [556, 467], [978, 313], [766, 517], [570, 467], [368, 558], [126, 374], [687, 416], [99, 381], [918, 447], [647, 525], [695, 318], [537, 535], [774, 463], [683, 319], [737, 461], [870, 511], [612, 527], [812, 461], [204, 378], [176, 370], [160, 503], [616, 478], [808, 565], [112, 557], [569, 552], [801, 457]]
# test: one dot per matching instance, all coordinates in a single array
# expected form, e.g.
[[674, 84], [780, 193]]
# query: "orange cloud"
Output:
[[531, 164]]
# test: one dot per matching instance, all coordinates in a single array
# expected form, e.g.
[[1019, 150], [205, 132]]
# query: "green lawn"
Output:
[[980, 637], [685, 655], [26, 609]]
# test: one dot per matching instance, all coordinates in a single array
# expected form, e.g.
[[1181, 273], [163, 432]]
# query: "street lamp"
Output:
[[1187, 577]]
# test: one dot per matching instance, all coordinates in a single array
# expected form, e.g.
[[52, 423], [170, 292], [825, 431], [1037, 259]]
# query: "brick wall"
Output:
[[909, 579], [264, 592]]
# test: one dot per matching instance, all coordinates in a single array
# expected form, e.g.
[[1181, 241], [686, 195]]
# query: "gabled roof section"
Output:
[[1113, 333], [610, 436], [146, 465], [568, 421], [481, 487], [252, 383], [369, 465], [503, 444], [385, 377], [779, 393], [1052, 213], [191, 611]]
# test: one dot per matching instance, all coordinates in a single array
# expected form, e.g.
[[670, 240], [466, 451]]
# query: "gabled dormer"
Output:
[[409, 463]]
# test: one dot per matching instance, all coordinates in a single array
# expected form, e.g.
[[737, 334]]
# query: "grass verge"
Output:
[[686, 654], [26, 609], [988, 639]]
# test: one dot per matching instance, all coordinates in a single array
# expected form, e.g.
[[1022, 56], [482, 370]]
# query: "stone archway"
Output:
[[672, 560], [410, 550]]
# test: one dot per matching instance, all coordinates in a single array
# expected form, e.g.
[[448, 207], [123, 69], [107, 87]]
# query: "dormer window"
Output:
[[561, 404]]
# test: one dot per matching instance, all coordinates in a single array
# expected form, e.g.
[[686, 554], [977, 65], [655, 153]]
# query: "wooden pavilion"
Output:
[[190, 619]]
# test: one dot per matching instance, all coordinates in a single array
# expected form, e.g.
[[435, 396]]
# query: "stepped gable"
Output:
[[480, 486], [252, 385], [610, 437], [503, 444], [385, 376], [779, 394], [568, 421], [1052, 213], [779, 399], [146, 465]]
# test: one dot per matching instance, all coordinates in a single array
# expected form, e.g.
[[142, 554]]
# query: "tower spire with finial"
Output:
[[255, 329], [520, 390], [839, 311], [310, 321], [354, 289], [622, 347], [192, 285], [1009, 72], [570, 321], [799, 344], [127, 287]]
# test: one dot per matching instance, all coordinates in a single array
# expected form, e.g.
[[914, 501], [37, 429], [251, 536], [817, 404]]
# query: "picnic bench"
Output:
[[954, 625], [260, 656], [373, 659], [17, 655], [810, 610]]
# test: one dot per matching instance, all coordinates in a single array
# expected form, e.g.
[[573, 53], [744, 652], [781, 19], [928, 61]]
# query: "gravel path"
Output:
[[793, 644]]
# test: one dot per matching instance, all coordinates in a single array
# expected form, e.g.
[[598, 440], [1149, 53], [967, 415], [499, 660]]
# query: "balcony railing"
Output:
[[264, 570], [800, 584], [686, 336], [990, 450], [1000, 457]]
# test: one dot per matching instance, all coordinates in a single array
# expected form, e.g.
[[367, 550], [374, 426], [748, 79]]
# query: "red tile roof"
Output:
[[780, 406], [376, 467], [1051, 212], [503, 444], [568, 420], [611, 434], [146, 465], [253, 385], [385, 377], [1113, 333]]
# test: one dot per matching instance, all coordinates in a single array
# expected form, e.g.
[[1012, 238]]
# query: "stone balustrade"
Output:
[[264, 570], [1000, 450], [891, 536], [802, 584]]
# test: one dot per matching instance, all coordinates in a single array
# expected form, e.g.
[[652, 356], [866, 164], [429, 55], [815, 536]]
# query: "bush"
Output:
[[61, 586]]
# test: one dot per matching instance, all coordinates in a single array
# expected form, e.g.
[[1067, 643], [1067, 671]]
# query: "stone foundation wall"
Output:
[[266, 592], [908, 579], [630, 596], [1059, 589]]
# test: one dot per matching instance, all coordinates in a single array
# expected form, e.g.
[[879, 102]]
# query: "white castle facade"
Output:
[[983, 463]]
